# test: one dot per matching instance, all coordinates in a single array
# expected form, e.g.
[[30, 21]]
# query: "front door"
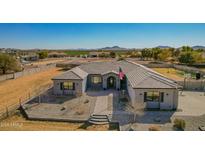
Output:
[[111, 83]]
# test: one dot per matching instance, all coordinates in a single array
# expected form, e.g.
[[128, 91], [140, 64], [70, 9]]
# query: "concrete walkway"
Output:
[[101, 105], [104, 102]]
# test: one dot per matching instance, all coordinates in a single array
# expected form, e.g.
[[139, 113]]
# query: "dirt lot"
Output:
[[11, 91], [18, 123], [170, 73], [48, 61]]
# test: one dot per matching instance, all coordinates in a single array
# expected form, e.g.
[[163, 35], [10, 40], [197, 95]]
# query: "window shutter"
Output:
[[161, 97], [73, 85], [145, 96], [61, 85]]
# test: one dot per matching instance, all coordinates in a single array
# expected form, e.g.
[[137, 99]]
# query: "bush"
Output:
[[79, 112], [186, 58], [86, 101], [154, 128], [8, 63], [43, 54], [121, 58], [112, 54], [179, 124]]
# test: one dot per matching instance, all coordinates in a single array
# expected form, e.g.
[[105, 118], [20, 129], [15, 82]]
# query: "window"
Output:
[[96, 79], [68, 85], [154, 96]]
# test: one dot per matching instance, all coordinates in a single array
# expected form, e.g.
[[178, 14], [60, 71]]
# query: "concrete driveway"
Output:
[[191, 103]]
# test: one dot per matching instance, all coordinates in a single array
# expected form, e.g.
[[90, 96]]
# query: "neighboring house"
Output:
[[56, 55], [98, 54], [30, 58], [141, 83]]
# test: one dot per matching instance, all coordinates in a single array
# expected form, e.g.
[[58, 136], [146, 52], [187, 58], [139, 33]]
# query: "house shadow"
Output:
[[119, 110], [99, 92]]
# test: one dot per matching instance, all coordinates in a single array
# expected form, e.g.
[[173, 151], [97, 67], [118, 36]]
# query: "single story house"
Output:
[[142, 84], [33, 57], [98, 54]]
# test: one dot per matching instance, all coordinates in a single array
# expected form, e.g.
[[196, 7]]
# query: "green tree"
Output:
[[43, 54], [165, 54], [176, 53], [8, 63], [112, 54], [198, 58], [155, 53], [186, 58], [146, 53], [186, 49]]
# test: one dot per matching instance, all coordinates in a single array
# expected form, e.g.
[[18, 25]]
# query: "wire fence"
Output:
[[26, 72], [10, 109]]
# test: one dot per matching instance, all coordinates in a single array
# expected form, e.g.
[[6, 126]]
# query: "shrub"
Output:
[[179, 124], [8, 63], [43, 54], [79, 112], [121, 58], [112, 54], [154, 128], [86, 101]]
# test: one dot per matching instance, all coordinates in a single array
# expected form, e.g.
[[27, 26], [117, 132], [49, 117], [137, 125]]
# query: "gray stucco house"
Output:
[[142, 84]]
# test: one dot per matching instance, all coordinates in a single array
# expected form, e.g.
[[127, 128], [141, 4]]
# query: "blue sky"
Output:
[[68, 36]]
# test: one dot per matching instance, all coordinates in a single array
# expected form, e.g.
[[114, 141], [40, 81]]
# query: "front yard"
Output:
[[60, 108], [18, 123]]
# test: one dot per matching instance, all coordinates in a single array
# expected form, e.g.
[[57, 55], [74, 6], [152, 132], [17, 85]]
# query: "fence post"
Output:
[[185, 83], [39, 99]]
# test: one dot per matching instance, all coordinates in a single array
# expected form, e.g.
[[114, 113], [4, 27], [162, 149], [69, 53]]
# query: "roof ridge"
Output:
[[164, 81], [75, 74]]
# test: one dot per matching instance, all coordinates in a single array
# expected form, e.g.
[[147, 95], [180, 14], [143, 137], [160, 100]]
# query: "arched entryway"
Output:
[[111, 82]]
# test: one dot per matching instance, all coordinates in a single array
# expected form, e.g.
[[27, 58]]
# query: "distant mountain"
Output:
[[198, 47], [163, 47], [114, 48]]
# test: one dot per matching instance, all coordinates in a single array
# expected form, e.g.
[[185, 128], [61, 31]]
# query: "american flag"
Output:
[[121, 74]]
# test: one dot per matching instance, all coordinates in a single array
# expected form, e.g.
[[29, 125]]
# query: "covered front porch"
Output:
[[108, 80]]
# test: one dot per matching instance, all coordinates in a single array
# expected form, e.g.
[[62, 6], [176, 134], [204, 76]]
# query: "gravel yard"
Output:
[[61, 108]]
